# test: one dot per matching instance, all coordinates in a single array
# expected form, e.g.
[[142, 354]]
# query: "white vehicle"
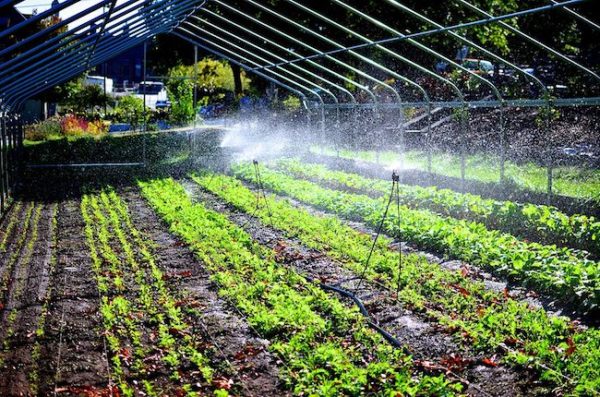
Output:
[[99, 81], [155, 93]]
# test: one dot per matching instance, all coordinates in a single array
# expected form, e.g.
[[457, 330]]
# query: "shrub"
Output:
[[44, 129], [66, 126], [130, 109], [73, 126], [292, 103]]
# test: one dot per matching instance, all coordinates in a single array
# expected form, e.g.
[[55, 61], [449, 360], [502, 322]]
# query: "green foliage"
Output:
[[568, 180], [81, 98], [538, 222], [43, 130], [130, 109], [291, 103], [181, 95], [481, 317], [560, 272], [139, 305], [215, 76], [328, 349], [546, 116], [180, 91]]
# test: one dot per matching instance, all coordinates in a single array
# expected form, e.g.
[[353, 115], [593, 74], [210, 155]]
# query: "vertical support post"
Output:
[[323, 139], [429, 141], [193, 133], [10, 148], [502, 144], [195, 82], [464, 120], [145, 126], [550, 152], [2, 161], [550, 179], [19, 130], [547, 109], [402, 169], [105, 97]]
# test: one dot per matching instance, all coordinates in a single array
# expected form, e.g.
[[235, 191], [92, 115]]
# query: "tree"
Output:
[[181, 94], [130, 109]]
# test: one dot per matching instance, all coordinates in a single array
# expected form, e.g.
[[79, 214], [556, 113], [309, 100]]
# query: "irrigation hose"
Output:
[[363, 310]]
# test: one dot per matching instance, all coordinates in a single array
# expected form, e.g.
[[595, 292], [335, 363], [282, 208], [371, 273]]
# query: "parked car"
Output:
[[479, 66], [155, 93]]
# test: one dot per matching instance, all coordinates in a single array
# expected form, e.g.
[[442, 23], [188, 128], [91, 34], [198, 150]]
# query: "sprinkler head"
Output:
[[395, 176], [255, 162]]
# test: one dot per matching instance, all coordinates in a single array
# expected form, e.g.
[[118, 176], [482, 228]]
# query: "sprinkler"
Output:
[[395, 192], [259, 194]]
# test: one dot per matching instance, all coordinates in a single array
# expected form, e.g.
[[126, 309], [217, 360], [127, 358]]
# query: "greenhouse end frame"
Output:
[[60, 52]]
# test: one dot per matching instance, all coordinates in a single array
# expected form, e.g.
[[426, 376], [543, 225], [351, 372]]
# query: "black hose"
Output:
[[386, 335]]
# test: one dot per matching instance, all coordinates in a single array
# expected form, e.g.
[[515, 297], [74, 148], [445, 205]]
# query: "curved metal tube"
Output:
[[245, 67], [279, 46], [143, 26], [468, 42], [532, 40], [65, 70], [272, 72], [301, 43], [249, 61], [257, 47], [59, 41], [253, 54], [332, 42], [464, 119]]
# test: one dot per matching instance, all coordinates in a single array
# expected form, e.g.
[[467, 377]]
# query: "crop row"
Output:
[[557, 272], [327, 349], [14, 277], [13, 221], [483, 319], [145, 329], [543, 223], [36, 350], [567, 180]]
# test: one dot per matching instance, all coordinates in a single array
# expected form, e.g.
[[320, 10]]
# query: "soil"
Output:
[[71, 348], [527, 140], [255, 369], [51, 289], [492, 281], [431, 347]]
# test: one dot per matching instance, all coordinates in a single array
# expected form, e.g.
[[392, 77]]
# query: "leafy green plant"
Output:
[[559, 272], [181, 95], [543, 223], [130, 109], [484, 319], [568, 180], [143, 306], [43, 130], [298, 317]]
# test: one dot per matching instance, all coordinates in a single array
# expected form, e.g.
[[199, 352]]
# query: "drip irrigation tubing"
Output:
[[363, 310]]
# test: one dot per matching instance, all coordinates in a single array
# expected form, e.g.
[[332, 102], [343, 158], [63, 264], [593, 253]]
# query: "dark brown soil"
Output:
[[52, 290], [494, 282], [51, 331], [254, 368], [431, 347]]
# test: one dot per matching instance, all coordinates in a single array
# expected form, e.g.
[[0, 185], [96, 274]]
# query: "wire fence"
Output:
[[11, 143]]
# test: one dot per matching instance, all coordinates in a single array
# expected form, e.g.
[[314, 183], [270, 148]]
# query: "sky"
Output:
[[27, 7]]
